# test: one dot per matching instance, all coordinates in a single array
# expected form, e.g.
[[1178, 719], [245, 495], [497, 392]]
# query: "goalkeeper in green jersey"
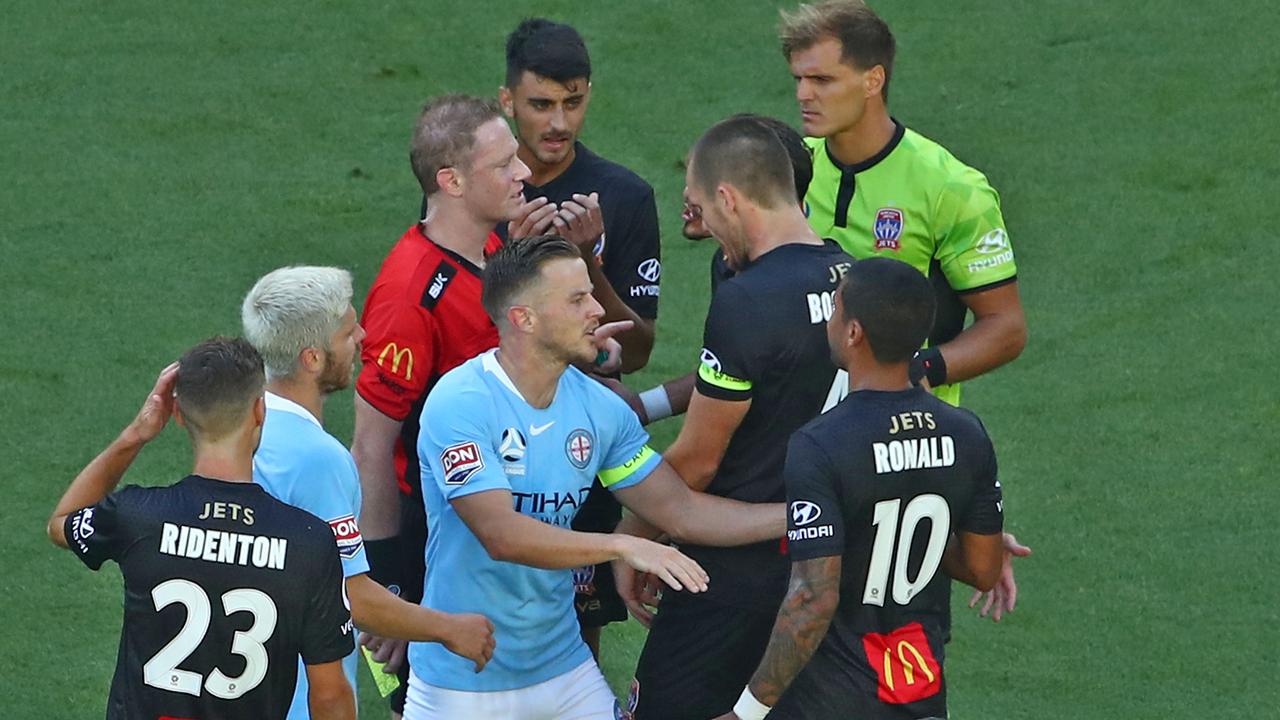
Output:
[[880, 188]]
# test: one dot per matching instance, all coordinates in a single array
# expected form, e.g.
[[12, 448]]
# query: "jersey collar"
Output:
[[462, 262], [284, 404], [898, 131]]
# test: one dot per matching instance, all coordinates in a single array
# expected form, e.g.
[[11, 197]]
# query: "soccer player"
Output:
[[672, 397], [882, 189], [892, 495], [423, 317], [224, 586], [764, 371], [301, 321], [512, 441], [606, 210]]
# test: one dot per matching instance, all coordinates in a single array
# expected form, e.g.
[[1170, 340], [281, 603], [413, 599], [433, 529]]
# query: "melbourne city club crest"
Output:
[[578, 448], [888, 229]]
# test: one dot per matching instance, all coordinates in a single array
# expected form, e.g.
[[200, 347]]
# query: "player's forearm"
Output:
[[711, 520], [378, 611], [692, 463], [802, 623], [338, 703], [95, 481], [523, 540], [632, 524], [679, 391], [991, 341], [978, 566]]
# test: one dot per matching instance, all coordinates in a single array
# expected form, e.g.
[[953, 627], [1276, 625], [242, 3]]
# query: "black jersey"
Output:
[[766, 341], [883, 481], [225, 587]]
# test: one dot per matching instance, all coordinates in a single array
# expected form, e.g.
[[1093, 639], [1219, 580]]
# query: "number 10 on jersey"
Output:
[[888, 534]]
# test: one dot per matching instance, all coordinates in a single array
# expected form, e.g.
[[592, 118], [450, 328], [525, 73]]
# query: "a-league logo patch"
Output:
[[460, 462], [578, 448], [888, 229], [347, 533]]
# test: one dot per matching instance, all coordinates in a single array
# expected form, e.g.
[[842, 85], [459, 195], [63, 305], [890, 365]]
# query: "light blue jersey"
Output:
[[301, 464], [479, 434]]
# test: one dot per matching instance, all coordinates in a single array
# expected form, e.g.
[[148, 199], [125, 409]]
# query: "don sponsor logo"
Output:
[[460, 462], [347, 533], [887, 229]]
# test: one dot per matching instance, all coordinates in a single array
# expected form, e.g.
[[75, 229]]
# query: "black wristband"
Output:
[[386, 562], [929, 364]]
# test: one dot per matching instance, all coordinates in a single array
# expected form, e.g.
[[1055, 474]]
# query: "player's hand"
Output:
[[389, 651], [534, 219], [579, 221], [157, 409], [612, 348], [471, 636], [631, 397], [1004, 596], [673, 567], [639, 591]]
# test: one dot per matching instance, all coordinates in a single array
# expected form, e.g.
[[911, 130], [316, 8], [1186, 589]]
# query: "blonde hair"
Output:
[[294, 308]]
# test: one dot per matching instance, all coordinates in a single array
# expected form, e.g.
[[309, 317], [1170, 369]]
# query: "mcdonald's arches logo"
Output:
[[398, 355], [905, 663]]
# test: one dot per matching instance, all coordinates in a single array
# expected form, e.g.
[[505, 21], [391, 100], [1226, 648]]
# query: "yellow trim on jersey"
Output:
[[721, 380], [613, 476]]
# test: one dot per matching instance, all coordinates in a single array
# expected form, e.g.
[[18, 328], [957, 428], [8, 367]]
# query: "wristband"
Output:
[[386, 566], [930, 365], [657, 404], [748, 707]]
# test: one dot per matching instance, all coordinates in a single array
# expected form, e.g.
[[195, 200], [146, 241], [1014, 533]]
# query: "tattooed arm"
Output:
[[802, 623]]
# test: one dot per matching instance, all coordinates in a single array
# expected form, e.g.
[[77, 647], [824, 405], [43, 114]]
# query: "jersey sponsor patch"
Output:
[[347, 533], [904, 664], [887, 229], [650, 269], [578, 448], [440, 278], [460, 462], [584, 580], [512, 445], [397, 360]]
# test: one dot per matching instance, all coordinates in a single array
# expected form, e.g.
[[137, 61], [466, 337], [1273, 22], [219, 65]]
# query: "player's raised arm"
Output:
[[103, 473]]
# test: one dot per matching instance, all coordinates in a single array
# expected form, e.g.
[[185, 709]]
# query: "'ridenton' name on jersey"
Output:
[[223, 547]]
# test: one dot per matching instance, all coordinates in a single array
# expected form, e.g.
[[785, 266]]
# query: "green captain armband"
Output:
[[613, 476], [721, 380]]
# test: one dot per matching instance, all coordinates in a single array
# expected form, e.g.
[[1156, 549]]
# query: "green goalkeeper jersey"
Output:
[[915, 202]]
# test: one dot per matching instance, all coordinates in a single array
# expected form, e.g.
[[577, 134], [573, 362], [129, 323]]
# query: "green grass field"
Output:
[[158, 157]]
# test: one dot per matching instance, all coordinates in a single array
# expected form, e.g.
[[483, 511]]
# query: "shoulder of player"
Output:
[[595, 393], [408, 268], [461, 387], [936, 166], [616, 177]]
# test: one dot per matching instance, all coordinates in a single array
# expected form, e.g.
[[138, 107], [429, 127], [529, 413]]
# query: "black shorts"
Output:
[[698, 657], [595, 598], [413, 539]]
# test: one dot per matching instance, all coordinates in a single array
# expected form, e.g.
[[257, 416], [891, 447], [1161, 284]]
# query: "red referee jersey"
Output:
[[422, 318]]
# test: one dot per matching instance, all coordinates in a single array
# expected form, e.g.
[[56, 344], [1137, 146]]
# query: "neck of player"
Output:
[[452, 227], [767, 229], [535, 373], [303, 391], [229, 458], [864, 139], [865, 373], [540, 172]]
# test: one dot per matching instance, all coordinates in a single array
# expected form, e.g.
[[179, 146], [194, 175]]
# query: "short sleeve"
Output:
[[328, 630], [333, 495], [397, 356], [985, 514], [633, 251], [729, 363], [973, 244], [98, 533], [628, 459], [456, 446], [815, 515]]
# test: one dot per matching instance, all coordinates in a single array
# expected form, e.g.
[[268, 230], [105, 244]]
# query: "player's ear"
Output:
[[727, 196], [178, 417], [260, 411], [450, 181], [857, 334], [507, 101], [521, 318], [311, 360], [874, 81]]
